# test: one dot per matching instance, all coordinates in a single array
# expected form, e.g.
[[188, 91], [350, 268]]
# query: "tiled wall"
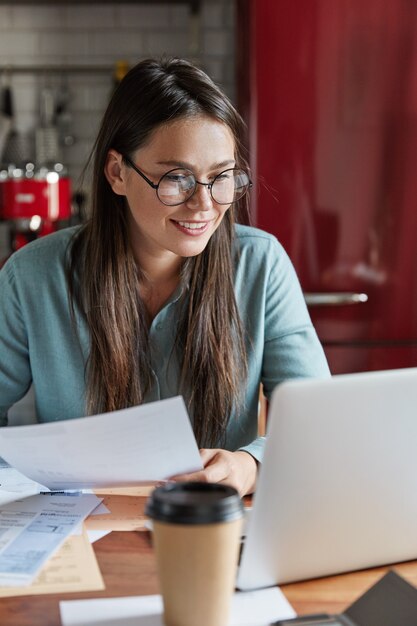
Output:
[[99, 35]]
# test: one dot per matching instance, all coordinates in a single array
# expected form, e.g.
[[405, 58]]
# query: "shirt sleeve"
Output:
[[256, 448], [15, 372], [291, 348]]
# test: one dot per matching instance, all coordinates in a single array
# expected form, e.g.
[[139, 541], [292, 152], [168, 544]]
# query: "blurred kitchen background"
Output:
[[328, 89], [59, 62]]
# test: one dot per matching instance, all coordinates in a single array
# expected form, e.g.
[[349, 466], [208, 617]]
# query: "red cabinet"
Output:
[[329, 90]]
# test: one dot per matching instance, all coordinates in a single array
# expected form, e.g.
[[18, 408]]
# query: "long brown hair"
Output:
[[103, 275]]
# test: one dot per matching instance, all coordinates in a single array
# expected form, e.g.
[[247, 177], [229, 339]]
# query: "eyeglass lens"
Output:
[[178, 185]]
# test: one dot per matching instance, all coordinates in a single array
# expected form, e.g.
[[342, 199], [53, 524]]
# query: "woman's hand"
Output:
[[237, 469]]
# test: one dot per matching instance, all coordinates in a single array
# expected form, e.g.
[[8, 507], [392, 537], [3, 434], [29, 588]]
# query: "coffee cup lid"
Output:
[[194, 503]]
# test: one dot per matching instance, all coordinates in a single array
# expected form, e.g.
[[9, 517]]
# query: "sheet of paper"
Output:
[[141, 444], [101, 510], [95, 535], [73, 568], [32, 529], [15, 485], [249, 608], [125, 513]]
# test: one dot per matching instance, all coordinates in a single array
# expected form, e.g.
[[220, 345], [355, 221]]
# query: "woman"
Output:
[[160, 293]]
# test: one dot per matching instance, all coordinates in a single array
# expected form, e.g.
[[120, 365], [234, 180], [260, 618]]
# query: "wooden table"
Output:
[[127, 564]]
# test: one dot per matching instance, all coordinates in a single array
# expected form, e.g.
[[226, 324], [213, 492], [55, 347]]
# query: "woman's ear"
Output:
[[115, 172]]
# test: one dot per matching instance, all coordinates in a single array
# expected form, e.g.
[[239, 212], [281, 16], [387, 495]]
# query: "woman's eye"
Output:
[[223, 177], [176, 178]]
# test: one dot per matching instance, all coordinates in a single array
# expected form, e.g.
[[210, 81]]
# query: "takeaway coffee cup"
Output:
[[196, 535]]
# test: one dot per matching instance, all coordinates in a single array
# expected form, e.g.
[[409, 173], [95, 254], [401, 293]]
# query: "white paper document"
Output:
[[249, 608], [14, 485], [32, 529], [147, 443]]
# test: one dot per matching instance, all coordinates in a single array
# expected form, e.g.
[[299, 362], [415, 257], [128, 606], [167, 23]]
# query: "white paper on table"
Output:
[[147, 443], [95, 535], [101, 510], [14, 485], [249, 608], [32, 529]]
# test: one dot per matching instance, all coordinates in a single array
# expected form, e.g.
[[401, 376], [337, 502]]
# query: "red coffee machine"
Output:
[[34, 201]]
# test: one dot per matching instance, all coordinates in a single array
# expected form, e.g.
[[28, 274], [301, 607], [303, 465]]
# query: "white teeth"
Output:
[[192, 225]]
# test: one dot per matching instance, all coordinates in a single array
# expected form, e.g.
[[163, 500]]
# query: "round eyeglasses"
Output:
[[179, 184]]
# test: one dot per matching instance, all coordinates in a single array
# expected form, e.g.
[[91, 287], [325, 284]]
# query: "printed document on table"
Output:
[[73, 568], [147, 443], [32, 529]]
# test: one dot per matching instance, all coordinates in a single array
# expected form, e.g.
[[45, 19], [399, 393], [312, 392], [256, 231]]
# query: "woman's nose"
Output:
[[201, 199]]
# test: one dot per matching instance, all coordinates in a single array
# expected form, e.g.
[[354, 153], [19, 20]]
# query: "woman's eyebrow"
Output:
[[188, 166]]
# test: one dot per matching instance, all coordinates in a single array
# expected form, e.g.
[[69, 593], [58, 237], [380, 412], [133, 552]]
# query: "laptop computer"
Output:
[[337, 489]]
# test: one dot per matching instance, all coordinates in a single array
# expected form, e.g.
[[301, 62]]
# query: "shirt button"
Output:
[[158, 326]]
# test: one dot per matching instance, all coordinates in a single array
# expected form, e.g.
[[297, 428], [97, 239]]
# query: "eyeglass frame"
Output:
[[208, 185]]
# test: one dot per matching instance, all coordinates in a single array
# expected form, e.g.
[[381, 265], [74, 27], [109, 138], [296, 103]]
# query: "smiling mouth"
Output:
[[193, 225], [194, 228]]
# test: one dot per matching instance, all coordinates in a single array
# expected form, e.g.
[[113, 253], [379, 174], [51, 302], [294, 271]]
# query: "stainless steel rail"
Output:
[[335, 298]]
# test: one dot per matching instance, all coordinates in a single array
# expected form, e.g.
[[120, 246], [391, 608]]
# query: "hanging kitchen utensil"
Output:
[[16, 149], [5, 122], [63, 116], [46, 137]]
